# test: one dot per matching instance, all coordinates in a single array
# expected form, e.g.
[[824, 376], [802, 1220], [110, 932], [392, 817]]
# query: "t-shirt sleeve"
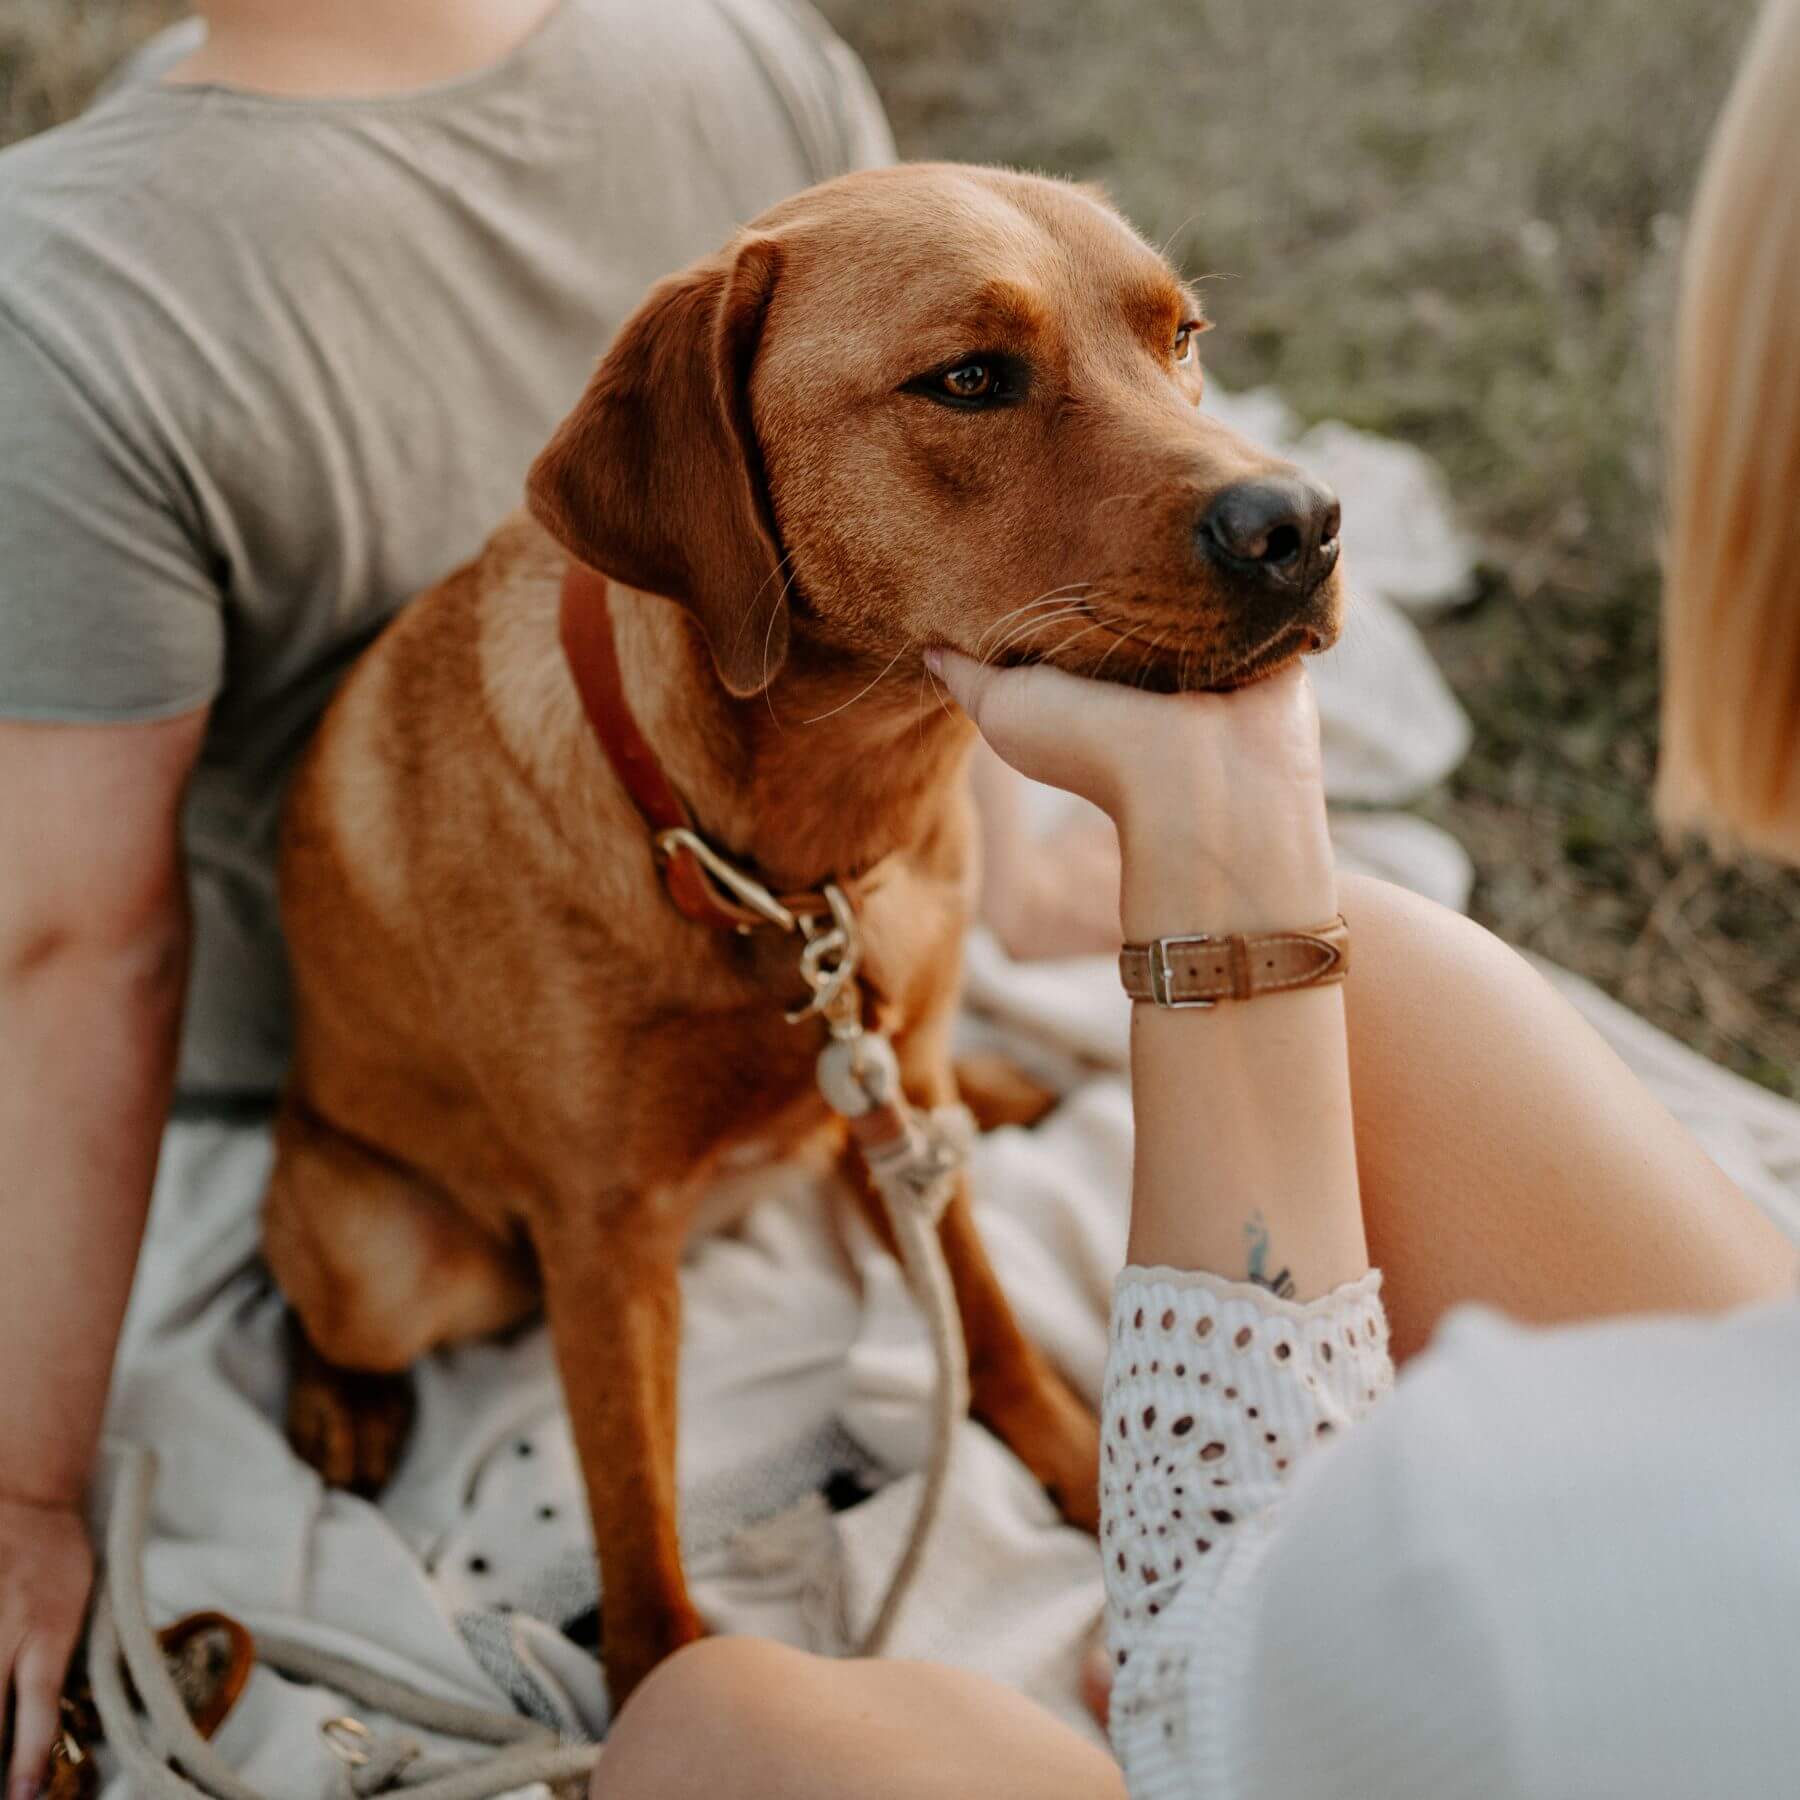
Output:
[[109, 612], [828, 94], [868, 139]]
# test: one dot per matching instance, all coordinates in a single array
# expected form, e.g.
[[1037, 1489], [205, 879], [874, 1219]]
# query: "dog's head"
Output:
[[934, 404]]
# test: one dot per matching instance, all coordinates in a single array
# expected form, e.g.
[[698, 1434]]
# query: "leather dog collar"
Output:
[[704, 885]]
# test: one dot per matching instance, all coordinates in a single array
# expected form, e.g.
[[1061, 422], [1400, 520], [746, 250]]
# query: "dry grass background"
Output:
[[1456, 224]]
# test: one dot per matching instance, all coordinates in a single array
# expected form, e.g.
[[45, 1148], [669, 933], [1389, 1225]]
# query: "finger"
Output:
[[37, 1691], [1012, 708], [970, 682]]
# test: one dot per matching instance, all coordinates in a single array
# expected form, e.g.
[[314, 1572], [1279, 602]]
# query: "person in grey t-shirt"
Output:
[[283, 319]]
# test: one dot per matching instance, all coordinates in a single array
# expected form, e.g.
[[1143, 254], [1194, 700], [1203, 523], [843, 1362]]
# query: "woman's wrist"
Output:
[[1177, 879]]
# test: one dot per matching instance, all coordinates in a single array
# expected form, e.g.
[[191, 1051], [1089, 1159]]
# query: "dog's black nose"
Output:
[[1281, 529]]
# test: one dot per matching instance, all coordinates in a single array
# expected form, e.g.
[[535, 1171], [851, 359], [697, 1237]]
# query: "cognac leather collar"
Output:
[[704, 885]]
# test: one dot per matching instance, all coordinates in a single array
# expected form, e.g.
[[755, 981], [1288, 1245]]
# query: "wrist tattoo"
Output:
[[1256, 1235]]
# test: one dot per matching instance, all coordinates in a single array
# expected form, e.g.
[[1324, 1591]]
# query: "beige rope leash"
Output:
[[912, 1157]]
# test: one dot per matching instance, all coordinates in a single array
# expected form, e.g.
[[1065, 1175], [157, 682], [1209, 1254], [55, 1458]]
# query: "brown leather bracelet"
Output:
[[1200, 971]]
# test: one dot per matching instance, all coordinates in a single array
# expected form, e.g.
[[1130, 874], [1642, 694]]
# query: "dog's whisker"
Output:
[[869, 688], [1179, 229], [1147, 662], [1021, 633], [938, 692], [1059, 651], [1048, 598], [1137, 674], [924, 669], [1007, 618], [1150, 660], [1064, 645], [1018, 638], [769, 631], [1119, 638], [1076, 610]]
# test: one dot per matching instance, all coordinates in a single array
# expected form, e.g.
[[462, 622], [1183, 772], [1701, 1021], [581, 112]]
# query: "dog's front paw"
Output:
[[349, 1425]]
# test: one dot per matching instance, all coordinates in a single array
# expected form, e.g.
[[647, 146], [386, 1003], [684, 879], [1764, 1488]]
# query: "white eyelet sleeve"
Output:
[[1217, 1391]]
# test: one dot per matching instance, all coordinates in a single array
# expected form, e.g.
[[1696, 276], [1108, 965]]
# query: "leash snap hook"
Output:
[[828, 965], [347, 1739]]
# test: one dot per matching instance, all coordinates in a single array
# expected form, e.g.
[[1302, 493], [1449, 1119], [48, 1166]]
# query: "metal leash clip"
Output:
[[347, 1739], [829, 965]]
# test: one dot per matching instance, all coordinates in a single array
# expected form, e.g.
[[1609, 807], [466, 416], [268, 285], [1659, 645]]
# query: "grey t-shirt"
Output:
[[269, 366]]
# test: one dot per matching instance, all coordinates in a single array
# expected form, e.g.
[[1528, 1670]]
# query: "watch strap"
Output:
[[1202, 970]]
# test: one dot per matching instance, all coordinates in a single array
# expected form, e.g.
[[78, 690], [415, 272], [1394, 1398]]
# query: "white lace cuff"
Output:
[[1216, 1391]]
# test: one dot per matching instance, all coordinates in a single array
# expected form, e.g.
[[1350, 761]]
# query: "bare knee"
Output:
[[700, 1721], [741, 1716]]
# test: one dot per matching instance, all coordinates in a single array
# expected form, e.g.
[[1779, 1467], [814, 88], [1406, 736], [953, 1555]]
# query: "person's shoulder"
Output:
[[118, 164], [800, 63]]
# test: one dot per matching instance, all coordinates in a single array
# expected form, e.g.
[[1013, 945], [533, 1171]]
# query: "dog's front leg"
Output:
[[610, 1287], [1014, 1389]]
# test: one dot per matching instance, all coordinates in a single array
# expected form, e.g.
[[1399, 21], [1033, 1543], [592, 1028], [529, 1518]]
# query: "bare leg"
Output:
[[1507, 1155], [741, 1716]]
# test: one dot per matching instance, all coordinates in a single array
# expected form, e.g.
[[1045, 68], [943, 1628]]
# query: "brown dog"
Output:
[[916, 406]]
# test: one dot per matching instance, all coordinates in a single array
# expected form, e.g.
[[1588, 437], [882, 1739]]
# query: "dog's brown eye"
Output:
[[984, 381], [968, 381], [1184, 343]]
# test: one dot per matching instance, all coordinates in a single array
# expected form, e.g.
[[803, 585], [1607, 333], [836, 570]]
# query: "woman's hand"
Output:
[[1218, 798], [46, 1570]]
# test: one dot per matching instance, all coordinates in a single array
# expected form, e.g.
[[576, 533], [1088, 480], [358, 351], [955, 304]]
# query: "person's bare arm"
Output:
[[1245, 1161], [93, 961]]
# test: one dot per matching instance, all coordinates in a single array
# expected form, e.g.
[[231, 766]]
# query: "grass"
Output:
[[1454, 224]]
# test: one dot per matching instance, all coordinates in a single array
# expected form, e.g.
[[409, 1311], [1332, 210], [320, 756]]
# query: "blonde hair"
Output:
[[1731, 598]]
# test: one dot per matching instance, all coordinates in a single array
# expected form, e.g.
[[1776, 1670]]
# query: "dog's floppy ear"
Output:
[[655, 478]]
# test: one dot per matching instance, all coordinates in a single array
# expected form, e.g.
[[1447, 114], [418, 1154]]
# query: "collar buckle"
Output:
[[748, 892]]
